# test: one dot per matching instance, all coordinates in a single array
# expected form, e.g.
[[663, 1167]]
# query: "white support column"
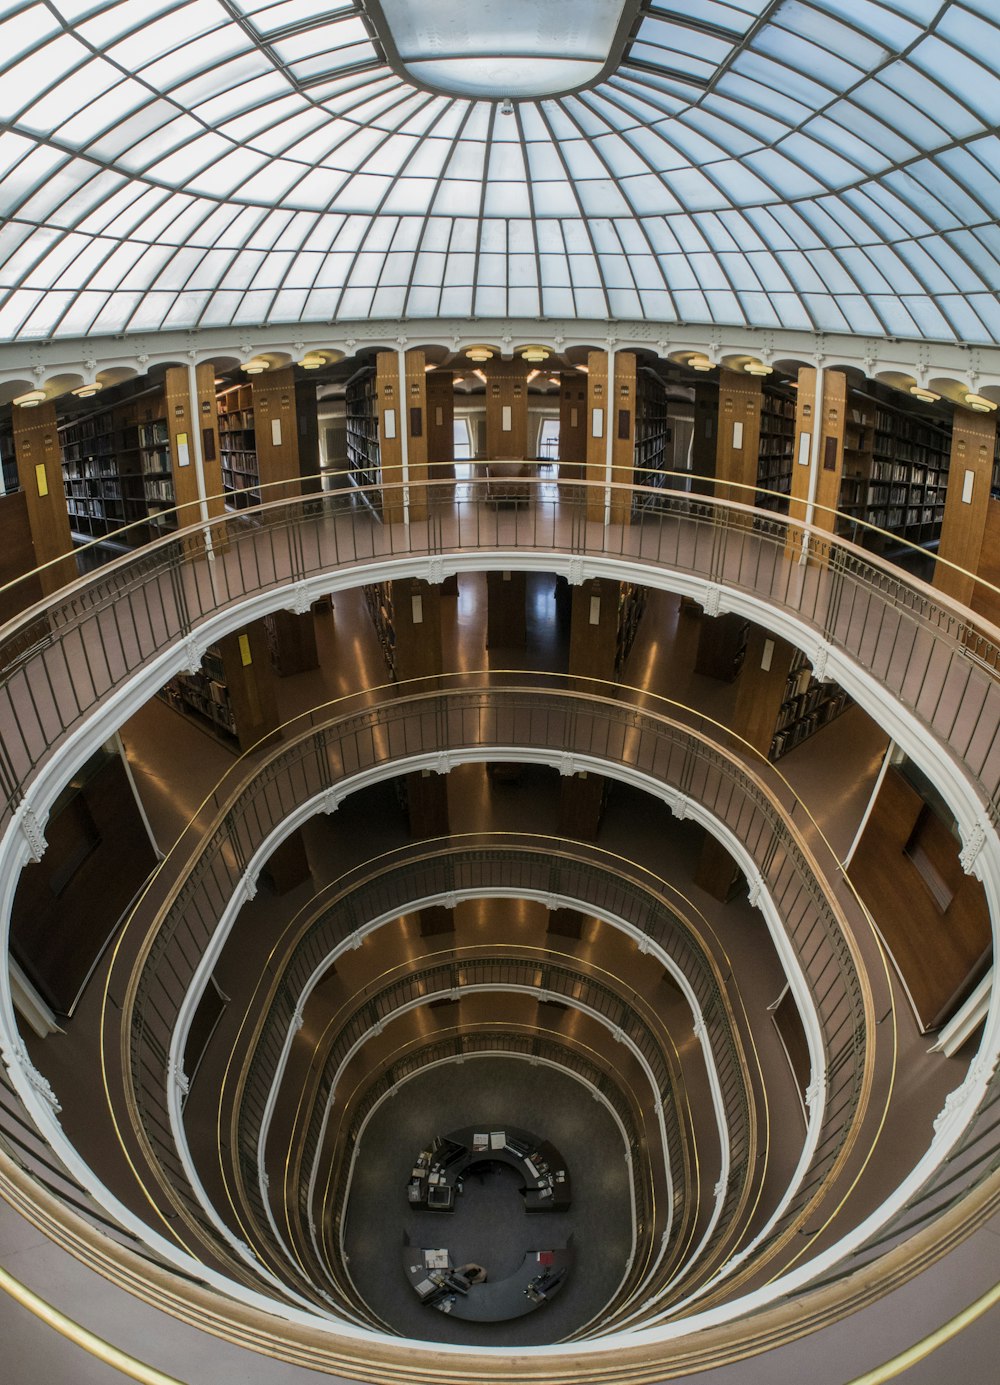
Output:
[[876, 787], [404, 431], [814, 451], [198, 452], [609, 434]]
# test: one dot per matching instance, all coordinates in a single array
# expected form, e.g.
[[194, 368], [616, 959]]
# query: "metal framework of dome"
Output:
[[829, 165]]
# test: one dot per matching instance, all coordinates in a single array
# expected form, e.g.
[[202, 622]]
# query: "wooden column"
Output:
[[387, 408], [832, 424], [416, 617], [506, 618], [610, 405], [181, 424], [286, 448], [761, 691], [572, 426], [17, 556], [440, 385], [415, 422], [506, 403], [288, 865], [967, 502], [246, 660], [738, 443], [593, 641], [39, 470]]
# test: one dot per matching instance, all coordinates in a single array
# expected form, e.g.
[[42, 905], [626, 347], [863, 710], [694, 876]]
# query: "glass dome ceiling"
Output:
[[818, 164]]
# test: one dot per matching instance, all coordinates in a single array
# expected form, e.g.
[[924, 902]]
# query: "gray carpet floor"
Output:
[[489, 1225]]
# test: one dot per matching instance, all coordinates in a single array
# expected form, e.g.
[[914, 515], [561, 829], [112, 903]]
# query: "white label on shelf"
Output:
[[595, 610], [573, 417], [276, 431], [505, 419], [389, 423], [767, 655], [183, 451], [805, 446], [417, 603], [597, 420], [439, 415], [968, 481], [738, 435]]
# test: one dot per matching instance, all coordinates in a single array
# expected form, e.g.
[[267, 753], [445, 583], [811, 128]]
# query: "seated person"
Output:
[[472, 1273]]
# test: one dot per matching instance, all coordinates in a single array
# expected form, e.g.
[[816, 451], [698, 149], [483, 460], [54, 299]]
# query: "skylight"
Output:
[[823, 164]]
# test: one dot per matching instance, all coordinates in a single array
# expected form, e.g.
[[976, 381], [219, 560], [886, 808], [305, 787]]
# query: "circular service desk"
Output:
[[437, 1179]]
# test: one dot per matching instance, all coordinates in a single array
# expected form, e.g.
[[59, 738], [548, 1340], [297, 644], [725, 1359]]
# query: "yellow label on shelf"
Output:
[[41, 479], [245, 656]]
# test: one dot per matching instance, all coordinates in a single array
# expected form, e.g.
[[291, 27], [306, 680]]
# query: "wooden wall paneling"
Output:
[[622, 417], [416, 615], [17, 557], [277, 434], [506, 612], [832, 425], [761, 688], [39, 470], [984, 601], [292, 638], [572, 426], [506, 389], [390, 424], [933, 917], [593, 631], [738, 443], [610, 406], [415, 422], [597, 425], [246, 660], [181, 423], [967, 501], [441, 425]]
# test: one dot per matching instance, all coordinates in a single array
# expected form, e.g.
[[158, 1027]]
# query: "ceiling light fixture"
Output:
[[532, 375], [754, 368], [979, 403], [535, 353], [928, 396], [255, 367], [312, 360], [88, 391], [31, 400], [697, 362], [481, 375], [479, 353]]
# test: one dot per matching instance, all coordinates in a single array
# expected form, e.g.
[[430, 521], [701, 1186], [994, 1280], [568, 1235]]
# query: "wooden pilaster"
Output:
[[39, 470], [182, 421], [967, 501], [506, 410], [246, 660], [832, 425], [610, 405]]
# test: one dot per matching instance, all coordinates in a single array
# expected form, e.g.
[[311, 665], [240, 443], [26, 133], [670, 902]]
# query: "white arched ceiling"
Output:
[[824, 165]]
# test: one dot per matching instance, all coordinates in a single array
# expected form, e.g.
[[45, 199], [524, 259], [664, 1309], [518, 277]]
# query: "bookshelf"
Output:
[[653, 435], [378, 599], [205, 696], [238, 446], [631, 604], [808, 706], [364, 462], [775, 447], [116, 471], [896, 463]]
